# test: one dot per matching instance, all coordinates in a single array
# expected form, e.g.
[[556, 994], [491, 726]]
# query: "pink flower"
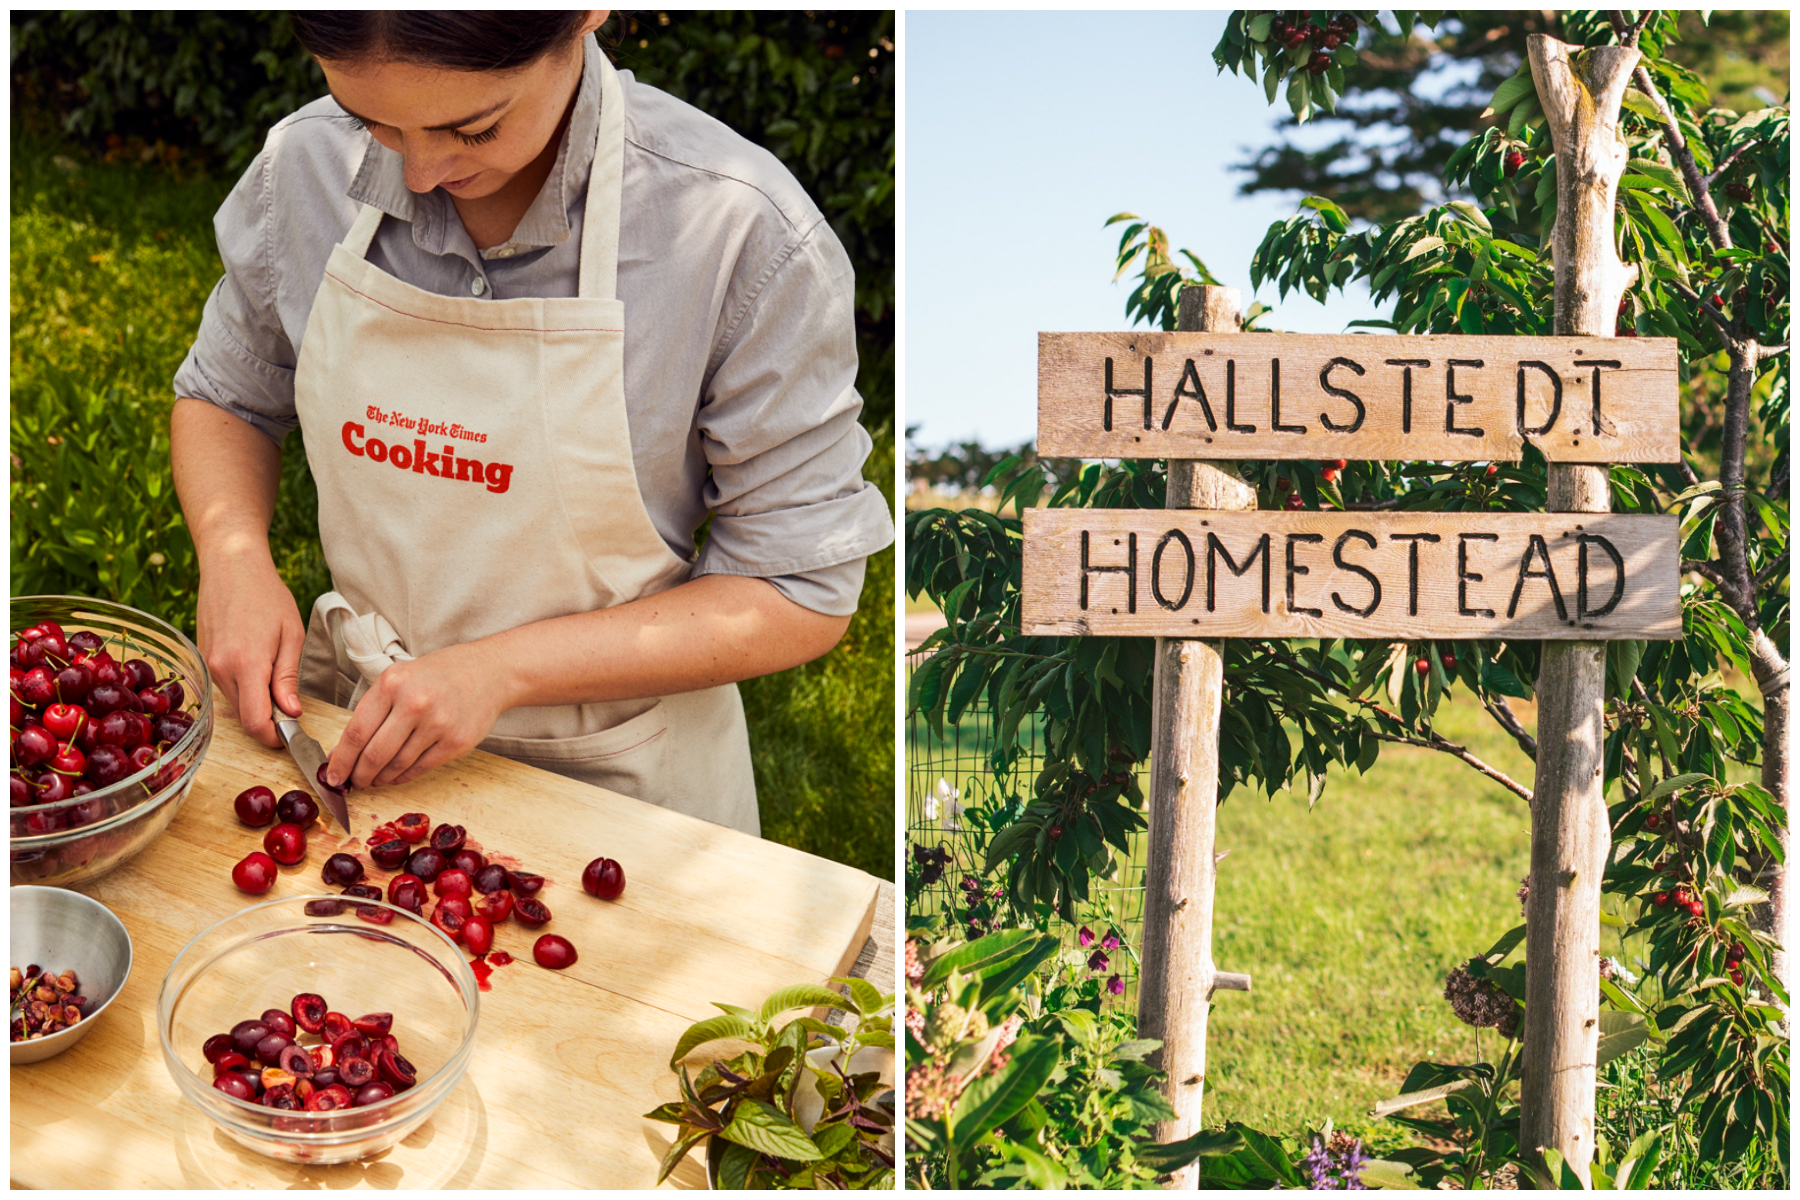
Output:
[[1116, 986], [1097, 961], [1110, 942], [1086, 937]]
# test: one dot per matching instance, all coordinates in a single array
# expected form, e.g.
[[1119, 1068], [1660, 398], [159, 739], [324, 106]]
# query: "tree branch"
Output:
[[1724, 164], [1763, 351], [1772, 570], [1508, 720], [1628, 34], [1455, 751], [1436, 741], [1719, 579], [1684, 159], [1692, 297]]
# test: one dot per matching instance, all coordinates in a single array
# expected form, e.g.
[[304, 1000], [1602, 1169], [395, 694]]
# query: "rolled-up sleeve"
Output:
[[242, 359], [781, 437]]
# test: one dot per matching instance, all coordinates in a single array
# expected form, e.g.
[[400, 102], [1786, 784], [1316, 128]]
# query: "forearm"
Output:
[[712, 630], [226, 477]]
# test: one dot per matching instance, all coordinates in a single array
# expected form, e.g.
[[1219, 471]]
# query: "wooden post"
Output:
[[1580, 91], [1177, 975]]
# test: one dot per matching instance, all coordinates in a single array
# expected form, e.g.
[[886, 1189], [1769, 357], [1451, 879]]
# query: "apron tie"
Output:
[[372, 644]]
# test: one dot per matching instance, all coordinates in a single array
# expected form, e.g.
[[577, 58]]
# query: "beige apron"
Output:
[[474, 469]]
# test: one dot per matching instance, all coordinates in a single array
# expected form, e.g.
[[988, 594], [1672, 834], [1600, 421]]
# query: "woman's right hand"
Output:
[[250, 635]]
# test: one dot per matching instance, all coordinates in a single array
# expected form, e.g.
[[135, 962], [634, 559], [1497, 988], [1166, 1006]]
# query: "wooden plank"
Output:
[[1363, 575], [566, 1062], [1436, 398]]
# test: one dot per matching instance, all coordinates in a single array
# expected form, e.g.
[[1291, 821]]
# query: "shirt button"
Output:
[[504, 252], [479, 286]]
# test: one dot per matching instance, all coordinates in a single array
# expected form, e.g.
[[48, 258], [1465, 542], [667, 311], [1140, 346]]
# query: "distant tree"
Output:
[[1409, 104]]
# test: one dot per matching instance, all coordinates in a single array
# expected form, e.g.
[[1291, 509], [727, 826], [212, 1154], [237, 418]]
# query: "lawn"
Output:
[[111, 265]]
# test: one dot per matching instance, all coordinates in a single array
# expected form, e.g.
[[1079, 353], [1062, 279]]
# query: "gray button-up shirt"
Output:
[[740, 349]]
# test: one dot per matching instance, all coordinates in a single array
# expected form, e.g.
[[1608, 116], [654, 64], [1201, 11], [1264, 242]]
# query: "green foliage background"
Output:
[[128, 131]]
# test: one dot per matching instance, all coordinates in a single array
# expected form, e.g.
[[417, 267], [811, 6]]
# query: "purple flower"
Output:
[[1110, 942], [1116, 986], [1086, 937], [1098, 961], [1318, 1166]]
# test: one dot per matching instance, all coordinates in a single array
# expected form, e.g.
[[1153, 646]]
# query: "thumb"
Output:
[[285, 685]]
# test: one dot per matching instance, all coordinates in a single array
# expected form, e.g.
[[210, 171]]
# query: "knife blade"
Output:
[[310, 757]]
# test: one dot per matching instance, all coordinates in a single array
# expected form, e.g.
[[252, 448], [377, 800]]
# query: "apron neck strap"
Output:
[[362, 231], [600, 225]]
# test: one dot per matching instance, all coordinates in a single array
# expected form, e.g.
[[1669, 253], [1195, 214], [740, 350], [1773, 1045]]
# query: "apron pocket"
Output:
[[629, 758]]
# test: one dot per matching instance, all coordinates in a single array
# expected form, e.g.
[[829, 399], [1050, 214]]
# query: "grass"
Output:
[[1348, 916], [111, 265]]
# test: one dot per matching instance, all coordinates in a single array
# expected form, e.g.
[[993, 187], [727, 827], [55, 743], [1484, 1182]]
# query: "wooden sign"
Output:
[[1214, 574], [1328, 396]]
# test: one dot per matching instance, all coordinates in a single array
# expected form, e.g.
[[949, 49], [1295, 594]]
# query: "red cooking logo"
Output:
[[446, 464]]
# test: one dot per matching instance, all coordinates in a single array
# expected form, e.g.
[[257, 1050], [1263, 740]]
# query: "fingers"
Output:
[[347, 761]]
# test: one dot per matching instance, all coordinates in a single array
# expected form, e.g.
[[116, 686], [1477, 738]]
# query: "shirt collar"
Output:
[[381, 181]]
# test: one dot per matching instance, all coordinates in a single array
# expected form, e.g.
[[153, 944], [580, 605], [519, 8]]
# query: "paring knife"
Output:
[[310, 757]]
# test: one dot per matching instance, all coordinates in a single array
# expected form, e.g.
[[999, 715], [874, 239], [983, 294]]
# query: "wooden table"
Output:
[[566, 1062]]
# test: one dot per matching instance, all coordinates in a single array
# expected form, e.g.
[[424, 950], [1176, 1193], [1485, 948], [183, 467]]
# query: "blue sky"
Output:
[[1024, 132]]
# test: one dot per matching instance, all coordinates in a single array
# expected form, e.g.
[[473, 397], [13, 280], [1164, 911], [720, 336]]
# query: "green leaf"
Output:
[[993, 1099], [1511, 90], [734, 1166], [981, 957], [1675, 783], [765, 1129], [1168, 1157], [865, 995], [726, 1025], [802, 995], [678, 1151]]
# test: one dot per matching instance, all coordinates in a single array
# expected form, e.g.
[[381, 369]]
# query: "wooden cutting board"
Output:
[[566, 1062]]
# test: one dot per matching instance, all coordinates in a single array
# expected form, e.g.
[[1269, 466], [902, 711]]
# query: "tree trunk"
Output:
[[1580, 92], [1177, 976]]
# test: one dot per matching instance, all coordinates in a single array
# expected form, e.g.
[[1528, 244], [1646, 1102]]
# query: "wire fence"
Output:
[[949, 783]]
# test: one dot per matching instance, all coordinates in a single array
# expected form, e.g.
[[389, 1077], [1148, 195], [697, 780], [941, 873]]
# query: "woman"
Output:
[[538, 322]]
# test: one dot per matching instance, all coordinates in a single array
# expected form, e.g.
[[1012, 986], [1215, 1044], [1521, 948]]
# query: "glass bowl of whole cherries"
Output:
[[111, 718], [318, 1029]]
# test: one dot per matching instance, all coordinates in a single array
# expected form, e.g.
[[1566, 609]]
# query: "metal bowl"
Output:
[[80, 839], [66, 931]]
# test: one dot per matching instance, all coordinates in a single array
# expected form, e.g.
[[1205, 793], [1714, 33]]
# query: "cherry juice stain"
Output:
[[483, 966]]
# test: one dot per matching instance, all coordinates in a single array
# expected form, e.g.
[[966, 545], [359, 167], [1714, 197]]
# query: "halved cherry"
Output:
[[231, 1061], [329, 1099], [217, 1046], [351, 1045], [309, 1011], [448, 920], [412, 827], [531, 912], [448, 839], [356, 1073], [374, 1023], [336, 1027], [395, 1069], [297, 1061], [323, 1058], [525, 883], [495, 907]]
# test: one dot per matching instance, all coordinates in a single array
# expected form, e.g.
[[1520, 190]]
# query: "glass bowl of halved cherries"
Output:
[[318, 1029], [111, 718]]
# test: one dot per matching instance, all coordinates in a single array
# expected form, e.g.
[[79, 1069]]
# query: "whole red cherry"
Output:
[[603, 878], [256, 874], [553, 951]]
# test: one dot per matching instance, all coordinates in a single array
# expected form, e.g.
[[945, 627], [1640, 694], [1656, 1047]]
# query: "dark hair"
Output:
[[453, 41]]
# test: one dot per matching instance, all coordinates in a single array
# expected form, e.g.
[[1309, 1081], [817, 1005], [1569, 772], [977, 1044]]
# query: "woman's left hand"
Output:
[[420, 713]]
